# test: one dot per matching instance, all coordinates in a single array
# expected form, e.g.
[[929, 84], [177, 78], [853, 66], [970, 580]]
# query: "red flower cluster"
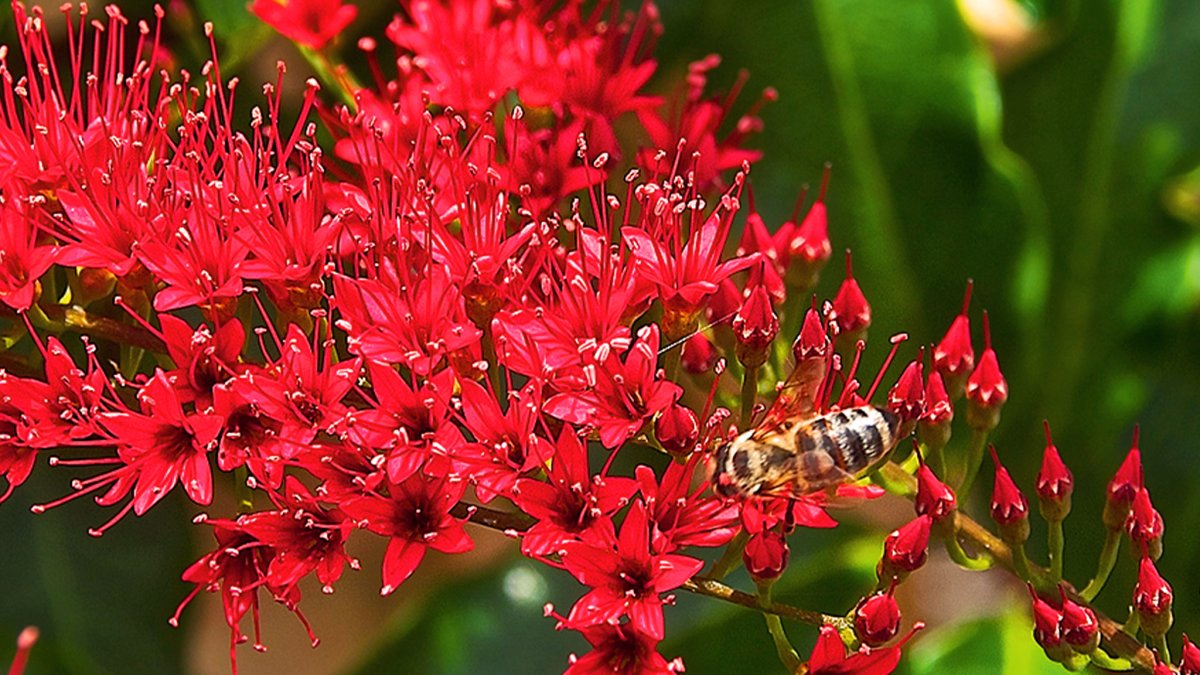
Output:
[[422, 319]]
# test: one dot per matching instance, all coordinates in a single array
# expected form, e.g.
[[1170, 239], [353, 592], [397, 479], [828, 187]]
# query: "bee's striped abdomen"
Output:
[[854, 440]]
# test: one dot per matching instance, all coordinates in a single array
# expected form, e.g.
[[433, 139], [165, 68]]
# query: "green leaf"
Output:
[[1001, 645], [101, 604]]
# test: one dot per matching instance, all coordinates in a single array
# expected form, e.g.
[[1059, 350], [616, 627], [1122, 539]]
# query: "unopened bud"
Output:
[[906, 549], [907, 398], [1189, 664], [1010, 509], [1124, 487], [1054, 484], [698, 354], [954, 357], [813, 341], [934, 497], [1145, 525], [766, 555], [1047, 629], [935, 425], [809, 248], [755, 327], [877, 619], [851, 311], [677, 430], [1152, 598], [987, 389], [1079, 626]]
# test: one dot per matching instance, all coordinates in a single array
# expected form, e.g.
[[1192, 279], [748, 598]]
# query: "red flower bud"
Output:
[[1161, 668], [934, 428], [907, 398], [766, 555], [698, 354], [755, 327], [1054, 483], [677, 430], [1047, 624], [907, 548], [954, 357], [813, 341], [934, 497], [877, 619], [1010, 509], [986, 388], [1079, 626], [809, 248], [1145, 524], [851, 311], [1124, 487], [1190, 663], [1152, 598]]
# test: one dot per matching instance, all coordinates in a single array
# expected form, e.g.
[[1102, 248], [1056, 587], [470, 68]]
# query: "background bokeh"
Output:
[[1049, 150]]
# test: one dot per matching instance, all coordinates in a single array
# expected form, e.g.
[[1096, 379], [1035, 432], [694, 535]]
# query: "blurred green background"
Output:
[[1044, 152]]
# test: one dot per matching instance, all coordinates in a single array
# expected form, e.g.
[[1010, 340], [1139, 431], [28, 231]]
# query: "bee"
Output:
[[796, 451]]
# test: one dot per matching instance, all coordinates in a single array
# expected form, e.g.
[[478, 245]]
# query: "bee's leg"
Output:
[[789, 518]]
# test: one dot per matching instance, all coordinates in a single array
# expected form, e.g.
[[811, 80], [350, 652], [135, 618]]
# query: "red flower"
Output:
[[621, 650], [829, 656], [572, 504], [304, 537], [160, 448], [415, 517], [237, 568], [18, 434], [203, 359], [312, 23], [22, 261], [409, 424], [766, 555], [626, 578], [619, 396], [679, 515]]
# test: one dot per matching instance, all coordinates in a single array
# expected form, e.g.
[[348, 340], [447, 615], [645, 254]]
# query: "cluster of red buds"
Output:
[[445, 314]]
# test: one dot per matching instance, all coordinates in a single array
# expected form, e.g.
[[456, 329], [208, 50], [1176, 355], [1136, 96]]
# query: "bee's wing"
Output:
[[797, 397]]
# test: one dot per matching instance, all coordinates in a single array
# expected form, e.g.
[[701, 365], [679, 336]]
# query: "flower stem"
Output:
[[783, 647], [1108, 560], [731, 558], [1108, 662], [1164, 651], [749, 395], [332, 75], [971, 462], [963, 559], [1055, 542], [242, 491]]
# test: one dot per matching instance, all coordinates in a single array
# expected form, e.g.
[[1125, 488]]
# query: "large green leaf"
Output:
[[101, 605]]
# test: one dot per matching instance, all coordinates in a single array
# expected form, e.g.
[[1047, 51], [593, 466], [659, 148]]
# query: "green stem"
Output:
[[895, 479], [1021, 564], [1109, 662], [749, 395], [1160, 644], [783, 647], [242, 491], [962, 559], [339, 79], [671, 362], [1055, 543], [731, 558], [1108, 560], [495, 373], [971, 462]]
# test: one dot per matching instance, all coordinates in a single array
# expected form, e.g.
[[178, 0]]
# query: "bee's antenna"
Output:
[[689, 336], [895, 340]]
